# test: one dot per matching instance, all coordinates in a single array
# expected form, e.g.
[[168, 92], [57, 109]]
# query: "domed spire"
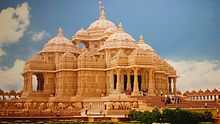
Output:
[[141, 39], [60, 30], [102, 14], [120, 27]]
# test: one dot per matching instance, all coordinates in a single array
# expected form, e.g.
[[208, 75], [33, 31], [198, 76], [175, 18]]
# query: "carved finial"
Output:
[[141, 39], [102, 14], [60, 30], [120, 27]]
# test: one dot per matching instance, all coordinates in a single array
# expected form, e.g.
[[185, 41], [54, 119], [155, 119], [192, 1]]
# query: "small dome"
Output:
[[193, 92], [81, 32], [207, 91], [200, 92], [186, 93], [1, 92], [120, 39], [67, 61], [12, 92], [102, 23], [215, 91], [67, 56], [86, 53], [60, 43], [143, 45]]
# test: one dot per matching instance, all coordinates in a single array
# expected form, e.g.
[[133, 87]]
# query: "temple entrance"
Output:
[[139, 82], [125, 82], [38, 82]]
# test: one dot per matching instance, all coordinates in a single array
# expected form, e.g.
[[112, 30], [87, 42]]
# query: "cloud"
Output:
[[195, 75], [13, 23], [11, 78], [37, 36], [2, 52]]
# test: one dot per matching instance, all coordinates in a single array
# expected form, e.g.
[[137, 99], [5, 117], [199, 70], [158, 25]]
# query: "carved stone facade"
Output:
[[102, 69], [100, 62]]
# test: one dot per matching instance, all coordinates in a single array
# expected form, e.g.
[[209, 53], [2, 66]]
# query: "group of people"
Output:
[[170, 99]]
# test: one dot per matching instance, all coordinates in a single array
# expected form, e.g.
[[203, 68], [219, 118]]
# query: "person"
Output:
[[128, 92], [86, 110], [58, 113], [178, 100], [206, 105]]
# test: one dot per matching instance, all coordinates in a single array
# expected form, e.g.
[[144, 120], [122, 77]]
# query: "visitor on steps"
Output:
[[86, 110]]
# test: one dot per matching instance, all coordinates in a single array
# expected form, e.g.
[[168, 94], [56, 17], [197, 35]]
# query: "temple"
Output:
[[102, 69], [100, 61]]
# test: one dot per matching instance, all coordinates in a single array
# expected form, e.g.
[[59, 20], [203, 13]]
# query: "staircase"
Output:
[[155, 101]]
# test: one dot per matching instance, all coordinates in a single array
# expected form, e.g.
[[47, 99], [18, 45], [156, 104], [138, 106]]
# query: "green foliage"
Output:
[[176, 116]]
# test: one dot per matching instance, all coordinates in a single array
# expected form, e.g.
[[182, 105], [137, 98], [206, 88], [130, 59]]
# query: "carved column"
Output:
[[143, 83], [128, 71], [111, 80], [25, 83], [151, 83], [29, 82], [166, 85], [147, 79], [135, 89], [174, 86], [170, 88], [122, 80], [118, 88]]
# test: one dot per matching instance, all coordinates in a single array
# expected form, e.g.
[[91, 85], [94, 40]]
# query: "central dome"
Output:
[[102, 23]]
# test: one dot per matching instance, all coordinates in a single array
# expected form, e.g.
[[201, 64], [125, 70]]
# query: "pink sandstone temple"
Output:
[[111, 63], [100, 68]]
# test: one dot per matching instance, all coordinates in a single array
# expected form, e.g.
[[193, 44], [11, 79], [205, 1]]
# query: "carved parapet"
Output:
[[39, 65]]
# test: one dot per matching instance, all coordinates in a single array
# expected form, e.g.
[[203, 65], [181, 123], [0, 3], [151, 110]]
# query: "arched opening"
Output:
[[81, 45], [34, 82], [38, 82]]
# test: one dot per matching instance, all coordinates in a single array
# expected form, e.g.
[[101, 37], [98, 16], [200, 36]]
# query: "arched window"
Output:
[[34, 82], [81, 45], [38, 82]]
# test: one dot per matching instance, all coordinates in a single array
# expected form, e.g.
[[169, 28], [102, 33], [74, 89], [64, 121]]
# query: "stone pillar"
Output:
[[170, 88], [135, 89], [25, 83], [128, 71], [167, 85], [146, 80], [151, 83], [108, 57], [111, 76], [29, 82], [118, 84], [122, 80], [174, 86], [143, 83]]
